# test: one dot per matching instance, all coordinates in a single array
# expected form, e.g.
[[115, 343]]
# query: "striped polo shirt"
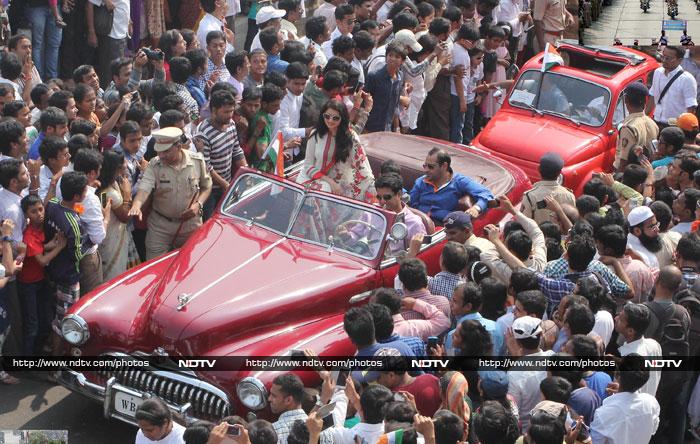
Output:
[[221, 148]]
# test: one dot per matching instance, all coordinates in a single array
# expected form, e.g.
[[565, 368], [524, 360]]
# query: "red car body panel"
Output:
[[250, 292], [521, 137]]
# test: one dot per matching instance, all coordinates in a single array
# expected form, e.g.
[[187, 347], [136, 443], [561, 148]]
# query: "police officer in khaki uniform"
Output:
[[180, 184], [533, 201], [638, 129]]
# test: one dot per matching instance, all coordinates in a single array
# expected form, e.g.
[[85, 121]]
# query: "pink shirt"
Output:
[[440, 302], [434, 324]]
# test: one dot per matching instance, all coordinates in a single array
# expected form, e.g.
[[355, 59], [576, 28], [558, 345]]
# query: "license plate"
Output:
[[126, 404]]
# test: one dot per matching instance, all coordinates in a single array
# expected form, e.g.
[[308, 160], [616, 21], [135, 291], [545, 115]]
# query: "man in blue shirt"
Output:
[[385, 86], [52, 122], [359, 326], [465, 305], [271, 41], [437, 193]]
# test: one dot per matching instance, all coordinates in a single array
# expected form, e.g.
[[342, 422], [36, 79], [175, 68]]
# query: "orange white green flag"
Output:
[[395, 437], [551, 58], [276, 153]]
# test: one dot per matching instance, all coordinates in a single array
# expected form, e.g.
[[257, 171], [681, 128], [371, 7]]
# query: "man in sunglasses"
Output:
[[438, 192], [389, 191]]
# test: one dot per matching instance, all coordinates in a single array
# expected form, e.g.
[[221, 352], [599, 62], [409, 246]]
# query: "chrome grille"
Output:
[[208, 402]]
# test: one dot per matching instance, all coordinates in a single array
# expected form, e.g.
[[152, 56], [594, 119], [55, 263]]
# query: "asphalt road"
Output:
[[38, 405]]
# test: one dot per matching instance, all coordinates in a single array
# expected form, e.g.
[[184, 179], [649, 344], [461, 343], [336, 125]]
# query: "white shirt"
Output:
[[645, 347], [206, 25], [604, 325], [14, 85], [327, 10], [238, 85], [256, 40], [626, 418], [290, 110], [328, 44], [122, 15], [358, 66], [319, 57], [45, 176], [508, 11], [383, 12], [377, 60], [11, 209], [647, 256], [368, 433], [524, 386], [460, 56], [681, 95], [682, 227], [174, 437], [234, 7], [92, 217]]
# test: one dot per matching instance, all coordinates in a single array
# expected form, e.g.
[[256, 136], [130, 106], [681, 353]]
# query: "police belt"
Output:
[[170, 219]]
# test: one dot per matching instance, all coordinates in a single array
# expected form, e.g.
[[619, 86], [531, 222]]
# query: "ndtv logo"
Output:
[[196, 363], [662, 363], [429, 363]]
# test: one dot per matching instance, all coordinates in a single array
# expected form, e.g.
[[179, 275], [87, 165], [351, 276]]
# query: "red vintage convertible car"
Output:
[[573, 110], [266, 275]]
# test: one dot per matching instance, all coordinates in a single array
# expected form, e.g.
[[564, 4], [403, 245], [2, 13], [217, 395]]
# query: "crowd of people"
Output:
[[118, 155]]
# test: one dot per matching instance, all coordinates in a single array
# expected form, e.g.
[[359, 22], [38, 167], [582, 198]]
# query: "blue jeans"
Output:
[[456, 120], [36, 305], [468, 130], [46, 40]]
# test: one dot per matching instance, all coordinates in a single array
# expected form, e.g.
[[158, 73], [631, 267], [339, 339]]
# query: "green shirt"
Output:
[[263, 139]]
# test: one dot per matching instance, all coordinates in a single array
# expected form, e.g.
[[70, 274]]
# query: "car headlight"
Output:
[[252, 393], [74, 329]]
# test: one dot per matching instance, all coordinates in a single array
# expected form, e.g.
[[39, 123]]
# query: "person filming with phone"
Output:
[[534, 204], [439, 191]]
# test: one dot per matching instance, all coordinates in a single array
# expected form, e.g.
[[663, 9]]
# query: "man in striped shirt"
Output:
[[217, 140]]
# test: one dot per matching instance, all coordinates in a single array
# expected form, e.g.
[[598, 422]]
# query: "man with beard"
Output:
[[653, 249]]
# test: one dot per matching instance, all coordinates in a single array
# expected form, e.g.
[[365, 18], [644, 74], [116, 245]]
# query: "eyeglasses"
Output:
[[384, 196], [654, 226], [430, 166], [331, 117]]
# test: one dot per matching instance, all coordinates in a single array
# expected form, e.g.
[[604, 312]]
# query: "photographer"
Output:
[[128, 73]]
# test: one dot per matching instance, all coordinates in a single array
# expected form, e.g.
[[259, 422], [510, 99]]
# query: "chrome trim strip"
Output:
[[438, 236], [360, 297], [124, 278]]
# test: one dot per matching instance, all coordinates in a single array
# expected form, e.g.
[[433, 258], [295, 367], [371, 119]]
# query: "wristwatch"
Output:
[[6, 239]]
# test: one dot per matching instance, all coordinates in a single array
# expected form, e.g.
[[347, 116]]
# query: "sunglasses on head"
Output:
[[331, 117]]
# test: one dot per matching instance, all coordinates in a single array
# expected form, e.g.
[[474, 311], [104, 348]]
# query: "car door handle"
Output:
[[360, 297]]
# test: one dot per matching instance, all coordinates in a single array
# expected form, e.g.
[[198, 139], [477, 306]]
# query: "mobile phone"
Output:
[[493, 203], [103, 200], [326, 414], [427, 238], [298, 354], [233, 430], [342, 378], [541, 204], [358, 87], [432, 342]]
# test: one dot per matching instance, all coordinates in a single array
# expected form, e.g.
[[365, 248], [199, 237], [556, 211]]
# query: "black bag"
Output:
[[671, 334], [691, 303], [103, 19]]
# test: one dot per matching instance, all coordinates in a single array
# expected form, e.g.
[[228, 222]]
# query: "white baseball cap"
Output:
[[527, 327], [267, 13], [407, 38]]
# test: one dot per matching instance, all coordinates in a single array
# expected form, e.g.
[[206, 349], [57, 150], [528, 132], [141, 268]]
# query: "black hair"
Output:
[[449, 428], [50, 147], [520, 244], [477, 49], [404, 20], [454, 257], [73, 184], [580, 319], [170, 118], [554, 248], [689, 247], [29, 201], [271, 93], [440, 25], [363, 40], [138, 112], [15, 39], [180, 69], [495, 31], [495, 424], [638, 317], [583, 346], [632, 374], [250, 94], [534, 302], [596, 188], [400, 411], [235, 61], [130, 127], [315, 27], [634, 175], [679, 50], [373, 401], [662, 211], [9, 169], [87, 161], [291, 385], [197, 433], [82, 126], [12, 108], [494, 293], [391, 181], [368, 25], [153, 410], [167, 40], [117, 64], [291, 54], [10, 132], [546, 429], [550, 229], [471, 294], [337, 63], [523, 279], [468, 32], [389, 298], [597, 296], [383, 322], [413, 274], [672, 135], [275, 78], [428, 43], [10, 66], [441, 156], [341, 11], [298, 433], [38, 91], [359, 326], [208, 5], [111, 164], [268, 38], [556, 388], [173, 101], [402, 6], [80, 72], [342, 44], [613, 237], [587, 204], [476, 340], [52, 116], [81, 91], [215, 35], [197, 57], [580, 252], [425, 9], [220, 99], [78, 142], [343, 137], [261, 432]]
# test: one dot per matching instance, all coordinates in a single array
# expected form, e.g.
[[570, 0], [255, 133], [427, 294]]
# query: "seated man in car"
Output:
[[552, 98], [437, 193]]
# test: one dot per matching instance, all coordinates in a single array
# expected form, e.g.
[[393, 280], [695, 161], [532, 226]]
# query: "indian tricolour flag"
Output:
[[551, 58], [395, 437], [276, 153]]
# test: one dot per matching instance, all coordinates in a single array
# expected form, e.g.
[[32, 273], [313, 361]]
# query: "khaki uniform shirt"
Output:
[[173, 187], [539, 191], [551, 13], [637, 129], [485, 245]]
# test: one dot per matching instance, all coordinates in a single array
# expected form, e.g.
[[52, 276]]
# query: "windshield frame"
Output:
[[306, 193], [552, 113]]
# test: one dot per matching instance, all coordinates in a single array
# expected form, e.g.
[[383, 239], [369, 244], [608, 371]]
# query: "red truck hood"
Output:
[[514, 136], [262, 284]]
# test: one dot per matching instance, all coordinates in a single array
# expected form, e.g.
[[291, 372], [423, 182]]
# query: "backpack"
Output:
[[670, 333], [691, 303]]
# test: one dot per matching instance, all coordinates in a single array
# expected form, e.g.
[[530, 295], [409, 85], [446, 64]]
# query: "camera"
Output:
[[152, 54]]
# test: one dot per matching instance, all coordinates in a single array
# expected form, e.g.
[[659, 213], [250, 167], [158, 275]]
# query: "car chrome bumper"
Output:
[[106, 395]]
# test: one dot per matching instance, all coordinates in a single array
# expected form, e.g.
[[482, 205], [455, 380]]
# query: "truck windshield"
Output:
[[568, 97]]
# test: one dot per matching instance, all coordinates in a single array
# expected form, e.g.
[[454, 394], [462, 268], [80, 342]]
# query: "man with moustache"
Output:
[[654, 249]]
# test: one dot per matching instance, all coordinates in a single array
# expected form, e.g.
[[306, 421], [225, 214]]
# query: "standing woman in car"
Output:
[[335, 161]]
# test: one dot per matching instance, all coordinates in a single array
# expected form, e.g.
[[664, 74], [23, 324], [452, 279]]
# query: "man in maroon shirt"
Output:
[[425, 388]]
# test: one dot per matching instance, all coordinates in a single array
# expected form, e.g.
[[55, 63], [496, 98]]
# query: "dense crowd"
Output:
[[119, 152]]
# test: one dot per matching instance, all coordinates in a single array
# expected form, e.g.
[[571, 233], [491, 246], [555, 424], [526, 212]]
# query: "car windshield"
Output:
[[308, 217], [568, 97]]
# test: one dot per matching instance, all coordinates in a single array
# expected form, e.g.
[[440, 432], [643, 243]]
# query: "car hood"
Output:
[[248, 280], [528, 138]]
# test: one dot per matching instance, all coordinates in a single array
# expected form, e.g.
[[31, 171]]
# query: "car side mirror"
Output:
[[398, 231]]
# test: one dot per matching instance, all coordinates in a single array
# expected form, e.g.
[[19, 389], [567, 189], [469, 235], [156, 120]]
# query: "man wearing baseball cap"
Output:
[[459, 228], [524, 385], [638, 129], [689, 124], [172, 221], [534, 205], [268, 17], [656, 251]]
